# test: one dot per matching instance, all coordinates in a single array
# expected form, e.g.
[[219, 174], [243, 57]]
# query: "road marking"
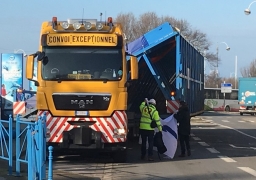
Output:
[[203, 144], [196, 138], [248, 120], [241, 121], [227, 159], [237, 131], [248, 170], [206, 128], [212, 150], [233, 146], [225, 120], [192, 134]]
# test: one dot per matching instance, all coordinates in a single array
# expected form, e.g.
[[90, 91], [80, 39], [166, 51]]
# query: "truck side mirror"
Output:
[[40, 55], [134, 68], [30, 67]]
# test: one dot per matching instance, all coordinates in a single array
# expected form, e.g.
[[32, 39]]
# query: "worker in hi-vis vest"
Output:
[[148, 121]]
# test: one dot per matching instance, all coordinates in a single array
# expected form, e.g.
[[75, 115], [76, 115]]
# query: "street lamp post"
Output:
[[248, 11], [217, 66], [24, 54]]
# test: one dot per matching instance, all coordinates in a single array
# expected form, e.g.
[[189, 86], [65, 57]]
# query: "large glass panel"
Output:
[[216, 94], [82, 63]]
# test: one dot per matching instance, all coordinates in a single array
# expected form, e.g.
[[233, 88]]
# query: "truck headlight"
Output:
[[99, 26], [65, 25], [87, 25], [119, 131], [76, 25]]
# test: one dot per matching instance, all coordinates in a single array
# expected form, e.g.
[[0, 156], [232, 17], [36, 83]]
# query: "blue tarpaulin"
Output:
[[137, 45]]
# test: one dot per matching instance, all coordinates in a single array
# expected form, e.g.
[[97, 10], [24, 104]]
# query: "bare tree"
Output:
[[147, 22], [182, 24], [211, 80], [231, 80], [249, 71], [128, 21], [198, 39], [212, 59], [136, 27]]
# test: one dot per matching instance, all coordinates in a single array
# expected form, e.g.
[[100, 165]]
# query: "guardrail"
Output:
[[6, 147], [30, 147]]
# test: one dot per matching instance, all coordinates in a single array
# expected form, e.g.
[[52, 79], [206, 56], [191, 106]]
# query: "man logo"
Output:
[[81, 103]]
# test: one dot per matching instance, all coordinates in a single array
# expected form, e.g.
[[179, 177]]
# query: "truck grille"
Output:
[[81, 101]]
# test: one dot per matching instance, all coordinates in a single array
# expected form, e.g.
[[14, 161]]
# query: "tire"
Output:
[[252, 114], [119, 156], [227, 109], [241, 113]]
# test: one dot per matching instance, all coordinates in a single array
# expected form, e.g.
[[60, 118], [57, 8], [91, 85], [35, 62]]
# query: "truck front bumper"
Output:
[[244, 111]]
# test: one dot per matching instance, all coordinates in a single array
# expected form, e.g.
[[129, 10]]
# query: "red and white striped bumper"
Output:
[[106, 125]]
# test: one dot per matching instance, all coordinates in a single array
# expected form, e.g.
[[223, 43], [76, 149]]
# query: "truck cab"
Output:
[[82, 76], [247, 95]]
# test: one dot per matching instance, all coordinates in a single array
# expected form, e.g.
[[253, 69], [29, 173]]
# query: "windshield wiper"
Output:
[[59, 80], [105, 80]]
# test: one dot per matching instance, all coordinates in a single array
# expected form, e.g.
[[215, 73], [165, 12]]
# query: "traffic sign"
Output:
[[226, 87]]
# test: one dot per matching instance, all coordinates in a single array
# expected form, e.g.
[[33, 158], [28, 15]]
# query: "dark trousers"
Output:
[[184, 143], [147, 135]]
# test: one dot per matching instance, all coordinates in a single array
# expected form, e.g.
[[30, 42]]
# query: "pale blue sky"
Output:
[[221, 20]]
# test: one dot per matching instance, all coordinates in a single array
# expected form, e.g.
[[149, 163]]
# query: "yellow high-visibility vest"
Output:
[[145, 119]]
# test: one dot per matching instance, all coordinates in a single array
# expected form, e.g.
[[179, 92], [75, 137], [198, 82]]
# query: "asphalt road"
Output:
[[223, 147], [234, 136]]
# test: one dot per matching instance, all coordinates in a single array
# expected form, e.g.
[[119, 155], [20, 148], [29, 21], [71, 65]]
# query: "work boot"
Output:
[[189, 153], [150, 158], [182, 155]]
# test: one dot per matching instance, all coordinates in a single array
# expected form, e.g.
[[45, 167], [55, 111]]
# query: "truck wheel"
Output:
[[241, 113], [227, 108], [119, 156], [252, 114]]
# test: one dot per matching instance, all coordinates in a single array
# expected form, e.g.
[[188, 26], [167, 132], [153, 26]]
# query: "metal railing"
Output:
[[30, 147], [6, 134]]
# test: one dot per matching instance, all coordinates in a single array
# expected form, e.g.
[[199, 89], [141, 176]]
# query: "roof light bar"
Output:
[[83, 25], [87, 25], [65, 25], [77, 25], [99, 26]]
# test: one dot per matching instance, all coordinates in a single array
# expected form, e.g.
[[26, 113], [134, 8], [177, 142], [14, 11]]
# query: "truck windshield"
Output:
[[82, 63]]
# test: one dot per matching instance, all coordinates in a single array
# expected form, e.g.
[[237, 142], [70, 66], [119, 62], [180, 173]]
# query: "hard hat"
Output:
[[152, 101]]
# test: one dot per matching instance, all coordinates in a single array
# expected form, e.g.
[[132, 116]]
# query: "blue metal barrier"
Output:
[[6, 150], [36, 147], [20, 143], [50, 173], [31, 141]]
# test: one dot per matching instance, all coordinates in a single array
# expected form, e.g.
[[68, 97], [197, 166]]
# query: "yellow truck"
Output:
[[82, 78]]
